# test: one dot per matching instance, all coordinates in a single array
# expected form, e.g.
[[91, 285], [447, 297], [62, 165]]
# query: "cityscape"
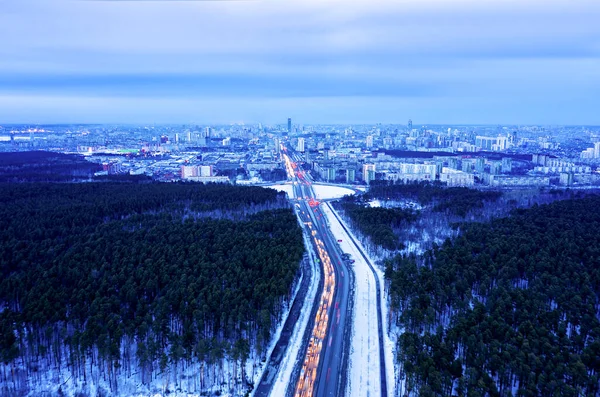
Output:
[[486, 156]]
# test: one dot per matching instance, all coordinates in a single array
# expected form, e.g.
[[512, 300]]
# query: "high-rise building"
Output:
[[206, 170], [387, 142], [289, 125], [409, 125], [485, 142], [277, 145], [207, 132], [596, 149], [501, 143], [350, 175], [188, 171], [507, 164], [368, 173], [480, 164], [300, 145], [369, 141], [495, 167]]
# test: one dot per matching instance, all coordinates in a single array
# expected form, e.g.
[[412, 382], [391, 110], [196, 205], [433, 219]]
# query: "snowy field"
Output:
[[363, 376]]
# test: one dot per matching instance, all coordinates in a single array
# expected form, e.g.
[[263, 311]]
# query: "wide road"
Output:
[[325, 363]]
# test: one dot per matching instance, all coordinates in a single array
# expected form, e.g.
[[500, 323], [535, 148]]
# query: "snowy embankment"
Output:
[[293, 353], [364, 368]]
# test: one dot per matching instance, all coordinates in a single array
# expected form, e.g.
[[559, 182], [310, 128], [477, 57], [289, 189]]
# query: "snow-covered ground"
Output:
[[292, 353], [324, 192], [287, 188], [363, 377]]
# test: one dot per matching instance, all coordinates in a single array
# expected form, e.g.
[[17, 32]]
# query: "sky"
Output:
[[327, 61]]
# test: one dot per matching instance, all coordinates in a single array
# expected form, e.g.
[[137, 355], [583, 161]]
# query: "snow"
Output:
[[293, 353], [363, 377], [322, 192], [325, 192], [374, 203], [287, 188]]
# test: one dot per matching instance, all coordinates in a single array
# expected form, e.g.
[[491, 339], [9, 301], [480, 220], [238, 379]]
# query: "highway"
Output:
[[325, 361]]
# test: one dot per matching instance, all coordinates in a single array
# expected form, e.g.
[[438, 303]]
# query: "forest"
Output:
[[379, 224], [138, 278], [454, 200], [507, 308], [42, 166]]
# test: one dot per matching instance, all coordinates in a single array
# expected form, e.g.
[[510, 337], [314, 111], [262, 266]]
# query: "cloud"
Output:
[[426, 50]]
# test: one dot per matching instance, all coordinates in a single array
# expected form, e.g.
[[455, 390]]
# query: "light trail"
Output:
[[308, 372]]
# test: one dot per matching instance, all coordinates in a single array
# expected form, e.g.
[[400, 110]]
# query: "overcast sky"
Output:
[[354, 61]]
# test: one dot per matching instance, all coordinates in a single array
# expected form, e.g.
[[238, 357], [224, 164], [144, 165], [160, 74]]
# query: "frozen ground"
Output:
[[324, 192], [292, 353], [364, 369]]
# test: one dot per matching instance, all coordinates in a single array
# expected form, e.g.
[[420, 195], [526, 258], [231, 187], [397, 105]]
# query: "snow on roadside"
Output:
[[292, 353], [363, 377]]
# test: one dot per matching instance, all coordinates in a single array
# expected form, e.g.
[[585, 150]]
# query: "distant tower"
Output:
[[207, 132], [409, 125], [289, 125]]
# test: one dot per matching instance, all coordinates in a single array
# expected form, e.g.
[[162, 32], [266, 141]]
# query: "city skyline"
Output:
[[442, 62]]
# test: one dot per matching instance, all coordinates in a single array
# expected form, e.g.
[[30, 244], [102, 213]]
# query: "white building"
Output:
[[300, 146], [454, 177], [368, 172]]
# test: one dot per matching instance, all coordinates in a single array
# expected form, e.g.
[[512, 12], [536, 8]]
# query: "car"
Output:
[[339, 241]]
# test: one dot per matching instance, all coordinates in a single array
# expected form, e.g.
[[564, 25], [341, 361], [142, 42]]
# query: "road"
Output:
[[324, 368], [362, 288]]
